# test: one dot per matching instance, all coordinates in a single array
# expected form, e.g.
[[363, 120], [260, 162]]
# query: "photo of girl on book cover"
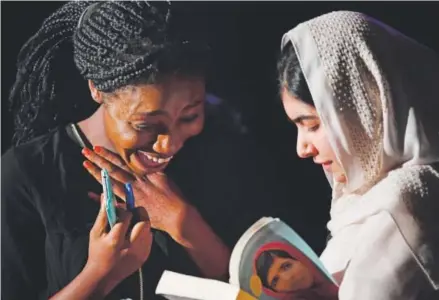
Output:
[[285, 273]]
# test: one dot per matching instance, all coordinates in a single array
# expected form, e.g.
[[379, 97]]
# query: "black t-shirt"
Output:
[[47, 214]]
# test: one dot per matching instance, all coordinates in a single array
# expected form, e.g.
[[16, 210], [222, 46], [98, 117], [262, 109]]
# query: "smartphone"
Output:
[[131, 206], [110, 200], [129, 196]]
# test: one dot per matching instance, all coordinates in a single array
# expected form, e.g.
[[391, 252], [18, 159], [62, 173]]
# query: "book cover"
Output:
[[269, 262], [276, 263]]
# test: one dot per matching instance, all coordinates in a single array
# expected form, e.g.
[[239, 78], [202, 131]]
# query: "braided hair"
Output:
[[115, 44]]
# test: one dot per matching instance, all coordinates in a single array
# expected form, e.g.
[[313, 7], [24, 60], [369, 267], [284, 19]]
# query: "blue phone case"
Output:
[[129, 196], [109, 198]]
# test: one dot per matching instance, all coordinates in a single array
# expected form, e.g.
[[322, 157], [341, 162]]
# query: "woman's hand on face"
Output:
[[154, 192], [116, 254]]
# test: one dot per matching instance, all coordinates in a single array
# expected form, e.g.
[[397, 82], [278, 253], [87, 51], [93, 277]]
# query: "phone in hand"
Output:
[[131, 206], [129, 196], [109, 198]]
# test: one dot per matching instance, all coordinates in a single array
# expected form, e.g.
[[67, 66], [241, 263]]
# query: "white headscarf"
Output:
[[377, 94]]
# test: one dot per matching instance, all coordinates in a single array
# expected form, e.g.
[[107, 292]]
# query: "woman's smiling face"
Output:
[[148, 124]]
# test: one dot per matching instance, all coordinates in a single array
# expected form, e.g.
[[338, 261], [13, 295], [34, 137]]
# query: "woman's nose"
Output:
[[305, 149], [166, 145]]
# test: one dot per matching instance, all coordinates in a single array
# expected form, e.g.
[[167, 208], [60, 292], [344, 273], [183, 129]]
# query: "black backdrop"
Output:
[[245, 37]]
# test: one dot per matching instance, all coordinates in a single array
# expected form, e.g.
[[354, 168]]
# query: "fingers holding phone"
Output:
[[104, 251], [137, 241], [116, 251]]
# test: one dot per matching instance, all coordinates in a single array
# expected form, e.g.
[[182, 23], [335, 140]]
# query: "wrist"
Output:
[[184, 225], [95, 270], [94, 279], [104, 281], [202, 244], [108, 284], [86, 285]]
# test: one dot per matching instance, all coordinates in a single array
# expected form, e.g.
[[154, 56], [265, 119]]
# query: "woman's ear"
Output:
[[95, 93]]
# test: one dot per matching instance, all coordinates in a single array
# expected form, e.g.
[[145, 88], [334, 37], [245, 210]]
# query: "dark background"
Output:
[[245, 37]]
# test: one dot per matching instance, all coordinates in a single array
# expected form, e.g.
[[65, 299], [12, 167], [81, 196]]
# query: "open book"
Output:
[[270, 261]]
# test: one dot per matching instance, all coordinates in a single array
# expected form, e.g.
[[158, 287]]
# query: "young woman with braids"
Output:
[[150, 89]]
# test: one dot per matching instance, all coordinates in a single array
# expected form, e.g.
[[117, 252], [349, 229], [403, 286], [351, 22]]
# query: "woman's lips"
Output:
[[149, 161], [327, 165]]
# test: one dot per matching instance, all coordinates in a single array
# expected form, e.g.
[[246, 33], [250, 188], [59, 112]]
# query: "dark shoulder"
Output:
[[18, 167], [27, 157], [31, 164], [28, 169]]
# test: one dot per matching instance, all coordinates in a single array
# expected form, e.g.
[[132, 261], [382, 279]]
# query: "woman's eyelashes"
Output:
[[309, 127], [314, 128], [190, 118], [144, 127], [148, 127]]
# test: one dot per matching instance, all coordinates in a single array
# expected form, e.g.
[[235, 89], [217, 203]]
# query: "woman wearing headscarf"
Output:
[[365, 100]]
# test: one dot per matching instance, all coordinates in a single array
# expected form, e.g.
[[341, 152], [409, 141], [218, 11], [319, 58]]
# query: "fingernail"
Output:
[[86, 151], [87, 164], [97, 149]]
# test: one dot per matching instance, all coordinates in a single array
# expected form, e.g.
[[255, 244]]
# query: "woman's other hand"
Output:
[[154, 192]]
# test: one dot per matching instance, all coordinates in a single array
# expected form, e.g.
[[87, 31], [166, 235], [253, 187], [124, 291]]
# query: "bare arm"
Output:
[[205, 248], [85, 286]]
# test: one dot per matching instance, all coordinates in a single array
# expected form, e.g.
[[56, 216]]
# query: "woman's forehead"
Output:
[[155, 98]]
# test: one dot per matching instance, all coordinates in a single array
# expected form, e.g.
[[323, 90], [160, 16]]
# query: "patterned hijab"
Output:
[[377, 94], [376, 90]]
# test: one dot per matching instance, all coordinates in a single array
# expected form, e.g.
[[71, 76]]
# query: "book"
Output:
[[176, 286], [269, 262]]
